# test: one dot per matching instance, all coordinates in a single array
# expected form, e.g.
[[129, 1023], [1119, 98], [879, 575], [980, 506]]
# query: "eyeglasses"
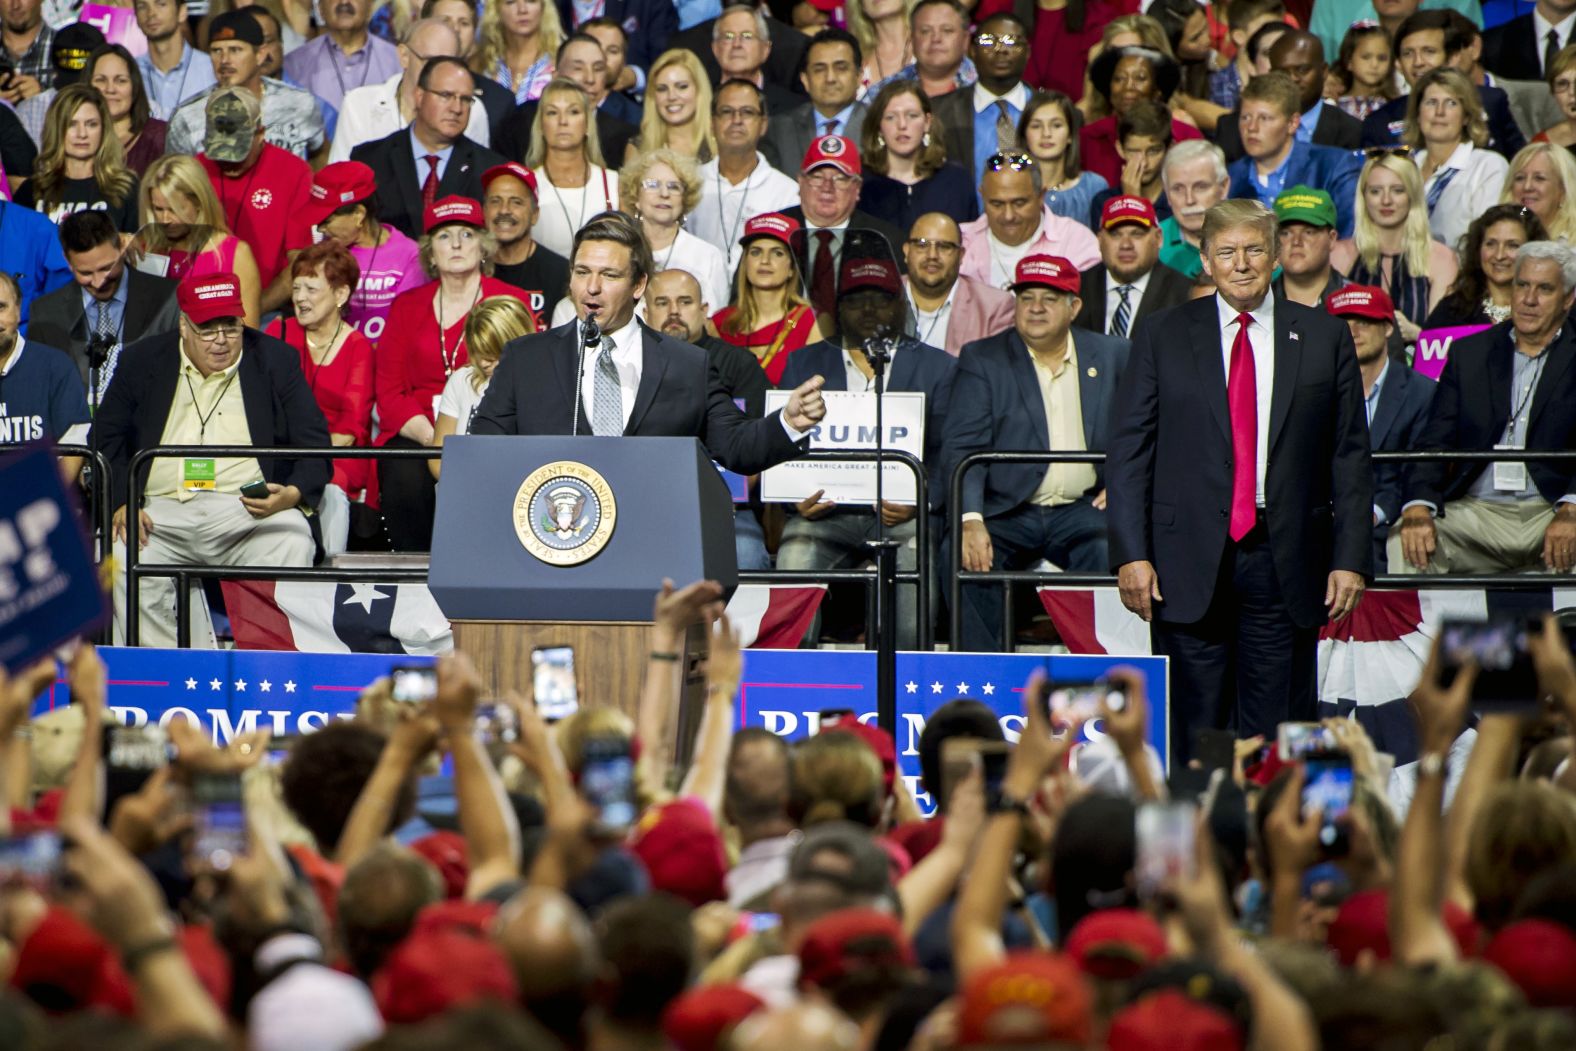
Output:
[[925, 244], [658, 186], [217, 333], [727, 114], [1018, 162], [449, 98], [828, 180], [1006, 41], [746, 37], [1375, 152]]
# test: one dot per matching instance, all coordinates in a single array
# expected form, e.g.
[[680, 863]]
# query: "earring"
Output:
[[880, 141], [925, 139]]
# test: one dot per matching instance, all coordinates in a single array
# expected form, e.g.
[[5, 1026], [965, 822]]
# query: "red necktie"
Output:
[[823, 286], [429, 189], [1242, 399]]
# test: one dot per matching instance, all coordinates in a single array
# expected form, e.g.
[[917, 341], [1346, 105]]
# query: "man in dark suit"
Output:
[[648, 25], [1512, 386], [634, 382], [432, 158], [581, 59], [1241, 492], [973, 133], [741, 44], [105, 301], [1040, 386], [1300, 55], [822, 535], [210, 382], [1130, 283], [782, 63], [1524, 47], [832, 62]]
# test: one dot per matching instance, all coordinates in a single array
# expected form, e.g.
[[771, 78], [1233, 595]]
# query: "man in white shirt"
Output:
[[738, 184], [379, 110], [948, 309]]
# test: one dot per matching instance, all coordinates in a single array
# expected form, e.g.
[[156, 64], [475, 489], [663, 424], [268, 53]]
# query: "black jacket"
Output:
[[1511, 50], [1398, 422], [782, 63], [393, 163], [1166, 288], [1384, 125], [59, 320], [613, 135]]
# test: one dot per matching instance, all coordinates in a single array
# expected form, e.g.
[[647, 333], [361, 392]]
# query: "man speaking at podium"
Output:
[[632, 380]]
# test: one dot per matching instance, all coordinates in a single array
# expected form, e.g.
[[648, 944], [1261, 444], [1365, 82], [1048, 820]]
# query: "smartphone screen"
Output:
[[993, 766], [1214, 749], [137, 749], [607, 781], [1163, 847], [32, 860], [1506, 680], [1298, 741], [414, 683], [496, 723], [553, 682], [218, 820], [1327, 786], [1080, 701]]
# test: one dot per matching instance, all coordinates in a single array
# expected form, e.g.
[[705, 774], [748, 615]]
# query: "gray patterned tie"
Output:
[[1124, 313], [104, 329], [607, 400]]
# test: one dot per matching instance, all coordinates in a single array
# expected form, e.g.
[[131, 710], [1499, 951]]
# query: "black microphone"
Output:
[[590, 339], [590, 332]]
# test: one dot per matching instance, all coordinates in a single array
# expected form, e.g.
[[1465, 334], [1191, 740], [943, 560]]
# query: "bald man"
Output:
[[948, 309], [553, 952]]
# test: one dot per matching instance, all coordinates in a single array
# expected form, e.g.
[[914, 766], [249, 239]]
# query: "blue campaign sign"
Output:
[[49, 587]]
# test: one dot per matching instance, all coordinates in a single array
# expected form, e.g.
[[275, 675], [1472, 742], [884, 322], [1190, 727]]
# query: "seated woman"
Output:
[[1481, 292], [907, 173], [768, 316], [390, 262], [1542, 179], [677, 114], [80, 164], [572, 182], [660, 187], [490, 328], [1048, 131], [516, 42], [184, 231], [1124, 76], [1448, 135], [112, 70]]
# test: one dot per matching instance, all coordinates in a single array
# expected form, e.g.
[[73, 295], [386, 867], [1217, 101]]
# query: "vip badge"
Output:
[[564, 513]]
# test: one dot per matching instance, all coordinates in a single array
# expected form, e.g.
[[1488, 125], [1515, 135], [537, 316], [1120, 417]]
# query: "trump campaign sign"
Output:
[[850, 423]]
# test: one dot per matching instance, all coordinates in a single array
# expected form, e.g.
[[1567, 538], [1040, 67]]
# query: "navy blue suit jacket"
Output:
[[647, 26], [1169, 474], [996, 405], [1396, 427], [1322, 167], [1384, 125]]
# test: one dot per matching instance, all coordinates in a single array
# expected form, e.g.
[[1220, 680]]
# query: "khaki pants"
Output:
[[1482, 536], [208, 528]]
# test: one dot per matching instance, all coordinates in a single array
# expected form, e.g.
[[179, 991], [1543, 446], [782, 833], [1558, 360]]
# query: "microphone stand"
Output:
[[590, 336], [878, 350]]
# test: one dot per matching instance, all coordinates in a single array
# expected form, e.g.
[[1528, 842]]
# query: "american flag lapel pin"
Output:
[[1295, 337]]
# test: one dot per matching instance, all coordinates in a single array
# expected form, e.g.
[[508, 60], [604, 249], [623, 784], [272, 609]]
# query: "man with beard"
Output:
[[509, 205], [948, 309], [172, 70], [43, 397], [1397, 398], [27, 43], [1196, 180], [1306, 219], [1130, 283], [344, 56]]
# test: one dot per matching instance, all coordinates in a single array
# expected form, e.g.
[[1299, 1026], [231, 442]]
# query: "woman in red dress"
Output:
[[422, 345], [769, 317]]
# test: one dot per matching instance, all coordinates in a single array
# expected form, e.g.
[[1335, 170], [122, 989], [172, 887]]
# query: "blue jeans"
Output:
[[749, 542], [837, 541]]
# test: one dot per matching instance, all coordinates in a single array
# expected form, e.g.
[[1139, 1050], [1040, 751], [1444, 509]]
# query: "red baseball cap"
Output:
[[1046, 271], [1364, 301], [775, 225], [848, 941], [453, 209], [682, 850], [832, 150], [336, 186], [1116, 943], [1362, 923], [1128, 209], [870, 273], [514, 168], [434, 970], [700, 1019], [1540, 957], [209, 296], [1168, 1020], [1030, 998]]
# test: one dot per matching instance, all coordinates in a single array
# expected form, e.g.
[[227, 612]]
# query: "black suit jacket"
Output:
[[782, 63], [536, 387], [399, 190], [1336, 128], [1511, 50], [1472, 405], [280, 409], [865, 234], [1169, 475], [1398, 422], [1167, 288], [59, 320], [955, 110], [498, 101], [613, 135], [1383, 126]]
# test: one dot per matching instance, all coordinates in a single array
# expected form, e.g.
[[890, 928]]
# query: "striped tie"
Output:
[[1124, 312], [1436, 191]]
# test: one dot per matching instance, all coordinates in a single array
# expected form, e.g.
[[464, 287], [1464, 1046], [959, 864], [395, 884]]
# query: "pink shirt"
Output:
[[387, 270], [1067, 238]]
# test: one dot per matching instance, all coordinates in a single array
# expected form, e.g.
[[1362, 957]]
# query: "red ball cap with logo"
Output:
[[453, 209], [1365, 301], [1030, 999], [209, 297], [776, 225], [514, 168], [833, 150], [1128, 209], [1046, 271], [870, 273], [336, 186]]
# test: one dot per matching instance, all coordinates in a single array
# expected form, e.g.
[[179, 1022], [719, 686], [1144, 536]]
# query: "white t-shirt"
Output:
[[561, 212], [704, 262], [460, 399]]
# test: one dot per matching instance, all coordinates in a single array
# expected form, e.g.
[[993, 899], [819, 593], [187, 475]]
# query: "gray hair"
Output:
[[1190, 150], [763, 28], [1554, 252]]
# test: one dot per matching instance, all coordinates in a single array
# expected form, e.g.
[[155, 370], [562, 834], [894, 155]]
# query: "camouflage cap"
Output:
[[233, 117]]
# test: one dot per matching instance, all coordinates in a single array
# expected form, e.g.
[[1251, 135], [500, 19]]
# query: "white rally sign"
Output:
[[850, 423]]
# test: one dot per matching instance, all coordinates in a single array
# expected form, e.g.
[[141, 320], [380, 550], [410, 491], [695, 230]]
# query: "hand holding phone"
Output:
[[413, 683], [607, 782], [1501, 649], [255, 490], [1327, 788]]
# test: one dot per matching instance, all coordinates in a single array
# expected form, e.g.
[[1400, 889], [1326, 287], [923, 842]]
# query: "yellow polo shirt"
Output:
[[217, 400], [1063, 482]]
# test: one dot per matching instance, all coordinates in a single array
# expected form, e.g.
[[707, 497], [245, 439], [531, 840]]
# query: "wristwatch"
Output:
[[1002, 803], [1431, 764]]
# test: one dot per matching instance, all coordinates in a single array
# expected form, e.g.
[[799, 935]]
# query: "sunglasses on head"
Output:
[[1018, 162]]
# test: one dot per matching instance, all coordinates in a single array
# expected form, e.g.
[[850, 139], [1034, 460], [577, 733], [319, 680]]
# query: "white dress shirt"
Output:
[[858, 382], [1261, 336], [372, 112], [1480, 174], [628, 358], [1113, 298], [1017, 97], [1540, 34], [725, 207]]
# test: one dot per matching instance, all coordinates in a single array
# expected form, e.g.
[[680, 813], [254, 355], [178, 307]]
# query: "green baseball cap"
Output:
[[232, 121], [1304, 204]]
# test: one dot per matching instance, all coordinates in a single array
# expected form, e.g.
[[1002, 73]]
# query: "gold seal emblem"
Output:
[[564, 513]]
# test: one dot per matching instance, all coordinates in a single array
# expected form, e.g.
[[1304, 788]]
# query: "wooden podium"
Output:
[[557, 541]]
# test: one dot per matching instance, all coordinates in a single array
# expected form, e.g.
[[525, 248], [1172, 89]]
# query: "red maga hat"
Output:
[[1128, 209], [453, 209], [775, 225], [336, 186], [1364, 301], [210, 296], [1046, 271], [514, 168]]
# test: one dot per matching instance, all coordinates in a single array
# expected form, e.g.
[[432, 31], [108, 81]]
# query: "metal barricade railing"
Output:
[[958, 576], [184, 575], [101, 509]]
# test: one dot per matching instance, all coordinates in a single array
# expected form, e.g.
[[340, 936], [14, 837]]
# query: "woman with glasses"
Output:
[[518, 39], [1447, 133], [113, 71], [1049, 129], [423, 345], [572, 182], [768, 316], [1481, 292], [1542, 179], [184, 232], [677, 115], [1125, 76], [660, 188], [1561, 78], [81, 165], [907, 173], [1391, 246]]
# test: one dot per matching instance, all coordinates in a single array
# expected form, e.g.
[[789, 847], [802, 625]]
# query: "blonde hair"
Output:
[[115, 180], [835, 777], [746, 309], [864, 30], [1561, 226], [591, 147], [1523, 828], [491, 46], [1366, 234], [179, 173], [654, 130], [1474, 126], [493, 323], [1238, 211], [635, 171]]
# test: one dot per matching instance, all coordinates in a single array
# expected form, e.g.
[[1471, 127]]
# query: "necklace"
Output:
[[672, 246], [575, 225], [328, 350], [449, 361]]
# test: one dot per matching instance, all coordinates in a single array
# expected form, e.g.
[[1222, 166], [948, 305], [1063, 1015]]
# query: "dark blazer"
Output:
[[789, 134], [1166, 288], [399, 190], [613, 135], [1384, 125], [996, 404], [1169, 475], [1511, 50], [498, 101], [536, 386], [59, 320], [879, 239], [1322, 167], [782, 62], [955, 110], [1472, 404], [280, 409], [1336, 128], [648, 26], [620, 106], [1398, 422]]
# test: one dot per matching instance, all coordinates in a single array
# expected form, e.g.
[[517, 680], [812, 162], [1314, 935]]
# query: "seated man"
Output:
[[41, 396], [1510, 387], [211, 382], [1130, 283], [1018, 223], [948, 309], [1143, 135], [822, 535], [1276, 158], [1196, 180], [1306, 232], [1015, 514]]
